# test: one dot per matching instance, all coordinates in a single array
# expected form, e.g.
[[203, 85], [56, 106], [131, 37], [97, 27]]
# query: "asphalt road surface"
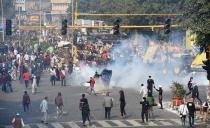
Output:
[[11, 103]]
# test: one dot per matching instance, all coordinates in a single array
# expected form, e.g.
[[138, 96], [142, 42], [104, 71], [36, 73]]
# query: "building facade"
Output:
[[50, 12], [59, 10], [37, 8], [20, 5], [20, 9]]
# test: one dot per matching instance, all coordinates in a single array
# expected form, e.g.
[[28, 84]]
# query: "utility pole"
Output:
[[19, 25], [72, 23], [2, 14], [40, 19]]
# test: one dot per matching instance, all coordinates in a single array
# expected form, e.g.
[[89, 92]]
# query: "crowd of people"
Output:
[[27, 64]]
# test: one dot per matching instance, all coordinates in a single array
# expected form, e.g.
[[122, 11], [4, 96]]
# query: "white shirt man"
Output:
[[15, 52], [143, 91], [44, 109], [26, 57], [33, 57], [183, 109]]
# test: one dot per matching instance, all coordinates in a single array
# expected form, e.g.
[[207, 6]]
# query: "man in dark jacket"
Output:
[[150, 83], [4, 82], [26, 101], [190, 86], [145, 108], [192, 111], [160, 90], [195, 93], [38, 74], [59, 105], [84, 107], [9, 82]]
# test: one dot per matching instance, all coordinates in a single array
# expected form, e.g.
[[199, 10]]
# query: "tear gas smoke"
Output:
[[129, 71]]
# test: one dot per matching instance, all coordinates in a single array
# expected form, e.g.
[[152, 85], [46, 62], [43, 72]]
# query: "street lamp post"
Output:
[[2, 13], [72, 23], [19, 25], [40, 19]]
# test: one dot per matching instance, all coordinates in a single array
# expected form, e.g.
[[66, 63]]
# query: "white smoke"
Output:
[[129, 71]]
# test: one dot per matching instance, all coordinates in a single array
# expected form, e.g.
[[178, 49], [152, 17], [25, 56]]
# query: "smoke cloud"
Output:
[[130, 70]]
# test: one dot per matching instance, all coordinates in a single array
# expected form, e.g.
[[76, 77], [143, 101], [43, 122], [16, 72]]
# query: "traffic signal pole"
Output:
[[2, 15]]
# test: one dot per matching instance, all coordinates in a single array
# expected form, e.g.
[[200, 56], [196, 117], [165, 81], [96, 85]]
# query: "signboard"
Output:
[[33, 18], [2, 26]]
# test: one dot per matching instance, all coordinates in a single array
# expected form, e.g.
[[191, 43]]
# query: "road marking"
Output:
[[150, 123], [134, 123], [165, 123], [41, 126], [57, 125], [119, 123], [177, 121], [27, 126], [72, 125], [104, 124], [8, 126]]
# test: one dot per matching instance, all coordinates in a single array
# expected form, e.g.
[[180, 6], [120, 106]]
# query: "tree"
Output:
[[133, 6], [196, 17]]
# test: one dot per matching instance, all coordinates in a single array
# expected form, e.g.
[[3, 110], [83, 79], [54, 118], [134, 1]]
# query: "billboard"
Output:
[[33, 18]]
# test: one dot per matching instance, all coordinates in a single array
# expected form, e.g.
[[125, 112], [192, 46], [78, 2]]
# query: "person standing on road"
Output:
[[26, 77], [192, 112], [160, 90], [34, 85], [145, 109], [143, 91], [52, 76], [183, 113], [4, 82], [122, 104], [26, 101], [195, 93], [107, 104], [84, 107], [17, 121], [205, 110], [190, 86], [59, 105], [38, 75], [62, 76], [150, 83], [9, 81], [44, 109], [92, 83]]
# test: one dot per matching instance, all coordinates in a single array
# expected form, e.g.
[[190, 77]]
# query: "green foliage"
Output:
[[133, 6], [197, 19], [177, 90]]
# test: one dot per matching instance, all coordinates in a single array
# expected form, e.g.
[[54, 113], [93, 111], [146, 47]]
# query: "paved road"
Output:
[[10, 104], [128, 123]]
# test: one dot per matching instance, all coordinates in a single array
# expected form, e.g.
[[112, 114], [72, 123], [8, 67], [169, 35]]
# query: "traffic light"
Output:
[[167, 27], [116, 27], [207, 68], [209, 4], [64, 27], [8, 27]]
